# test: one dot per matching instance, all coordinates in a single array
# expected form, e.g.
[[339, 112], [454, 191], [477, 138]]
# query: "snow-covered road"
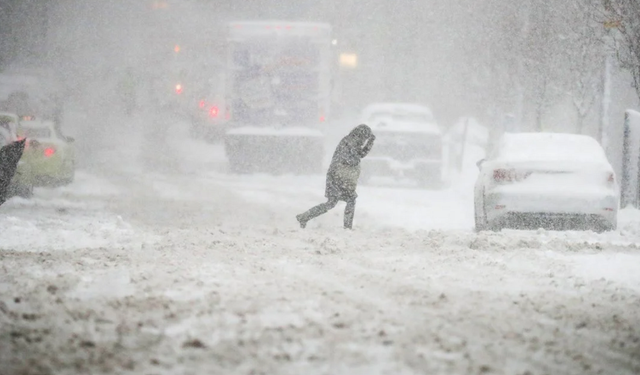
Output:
[[187, 270]]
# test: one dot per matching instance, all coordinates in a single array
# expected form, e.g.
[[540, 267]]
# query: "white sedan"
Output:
[[546, 180]]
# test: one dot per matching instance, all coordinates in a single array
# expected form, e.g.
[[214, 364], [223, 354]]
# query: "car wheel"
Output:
[[480, 221], [23, 191], [71, 176], [480, 217], [67, 181], [494, 227], [602, 228]]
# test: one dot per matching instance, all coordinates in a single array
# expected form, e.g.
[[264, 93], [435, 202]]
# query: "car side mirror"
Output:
[[479, 163]]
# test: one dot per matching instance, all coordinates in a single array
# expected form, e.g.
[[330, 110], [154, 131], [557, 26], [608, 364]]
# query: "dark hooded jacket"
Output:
[[9, 157], [344, 171]]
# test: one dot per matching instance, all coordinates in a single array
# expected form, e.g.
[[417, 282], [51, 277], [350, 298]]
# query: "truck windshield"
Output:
[[276, 81], [407, 146]]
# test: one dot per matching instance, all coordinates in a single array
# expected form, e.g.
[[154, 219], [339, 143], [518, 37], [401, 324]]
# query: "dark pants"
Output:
[[322, 208]]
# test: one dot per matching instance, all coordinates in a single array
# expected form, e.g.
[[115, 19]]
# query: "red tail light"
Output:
[[178, 89], [201, 104], [502, 175], [213, 111], [509, 175], [322, 118], [49, 151]]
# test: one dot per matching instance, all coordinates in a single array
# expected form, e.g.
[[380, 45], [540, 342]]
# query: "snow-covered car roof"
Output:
[[388, 117], [550, 147]]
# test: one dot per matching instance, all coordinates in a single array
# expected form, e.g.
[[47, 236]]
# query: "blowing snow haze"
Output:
[[485, 59], [160, 152]]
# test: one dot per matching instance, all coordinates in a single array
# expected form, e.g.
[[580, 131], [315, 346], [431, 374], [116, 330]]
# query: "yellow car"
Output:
[[50, 155], [20, 183]]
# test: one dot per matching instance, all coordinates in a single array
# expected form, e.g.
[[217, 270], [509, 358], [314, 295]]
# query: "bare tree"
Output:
[[542, 53], [583, 49], [624, 16]]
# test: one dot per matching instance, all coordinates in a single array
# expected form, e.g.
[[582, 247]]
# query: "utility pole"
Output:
[[606, 83], [606, 101]]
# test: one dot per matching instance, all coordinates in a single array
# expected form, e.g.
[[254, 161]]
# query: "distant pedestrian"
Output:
[[343, 174]]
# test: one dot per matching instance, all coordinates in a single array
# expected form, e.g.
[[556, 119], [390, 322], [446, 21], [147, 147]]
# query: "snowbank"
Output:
[[68, 218]]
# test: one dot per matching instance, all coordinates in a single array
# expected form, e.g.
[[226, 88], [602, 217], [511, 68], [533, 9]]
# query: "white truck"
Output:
[[408, 145], [278, 92]]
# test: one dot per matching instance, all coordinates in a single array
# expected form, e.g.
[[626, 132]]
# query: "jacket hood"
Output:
[[361, 133]]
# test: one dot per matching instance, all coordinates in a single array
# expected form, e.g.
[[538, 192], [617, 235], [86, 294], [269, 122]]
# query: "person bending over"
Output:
[[343, 174]]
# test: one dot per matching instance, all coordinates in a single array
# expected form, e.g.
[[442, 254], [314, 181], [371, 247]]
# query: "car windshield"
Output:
[[551, 147], [407, 146], [277, 81]]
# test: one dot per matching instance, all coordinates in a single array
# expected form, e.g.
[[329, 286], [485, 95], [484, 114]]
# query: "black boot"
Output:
[[315, 212], [303, 223]]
